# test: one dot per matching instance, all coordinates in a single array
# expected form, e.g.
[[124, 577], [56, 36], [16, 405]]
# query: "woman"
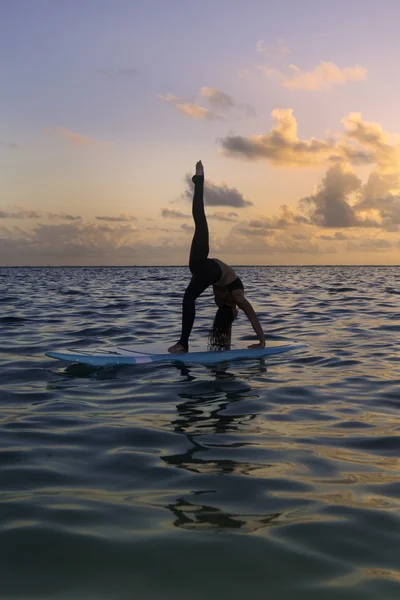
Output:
[[228, 288]]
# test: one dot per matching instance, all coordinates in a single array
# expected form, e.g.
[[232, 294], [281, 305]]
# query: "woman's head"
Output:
[[219, 337]]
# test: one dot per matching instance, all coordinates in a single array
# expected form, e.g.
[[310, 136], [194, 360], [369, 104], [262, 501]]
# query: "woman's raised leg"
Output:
[[200, 245], [198, 254]]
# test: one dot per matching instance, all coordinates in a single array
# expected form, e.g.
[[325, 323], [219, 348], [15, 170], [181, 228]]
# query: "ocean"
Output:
[[275, 478]]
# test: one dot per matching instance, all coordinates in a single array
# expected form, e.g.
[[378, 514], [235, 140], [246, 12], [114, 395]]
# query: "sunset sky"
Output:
[[292, 105]]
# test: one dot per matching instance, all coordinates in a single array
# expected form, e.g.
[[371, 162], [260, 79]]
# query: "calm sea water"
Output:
[[258, 479]]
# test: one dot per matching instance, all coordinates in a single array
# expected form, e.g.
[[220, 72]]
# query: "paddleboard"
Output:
[[156, 353]]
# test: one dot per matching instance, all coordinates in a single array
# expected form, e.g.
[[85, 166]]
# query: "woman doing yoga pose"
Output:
[[228, 288]]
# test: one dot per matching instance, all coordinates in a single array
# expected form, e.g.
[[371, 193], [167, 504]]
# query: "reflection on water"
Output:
[[276, 477], [202, 517]]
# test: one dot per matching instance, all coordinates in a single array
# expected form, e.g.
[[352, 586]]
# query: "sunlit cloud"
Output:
[[169, 98], [217, 98], [188, 109], [219, 102], [75, 139], [323, 77], [195, 111], [380, 196], [360, 143], [281, 145], [274, 50], [384, 147]]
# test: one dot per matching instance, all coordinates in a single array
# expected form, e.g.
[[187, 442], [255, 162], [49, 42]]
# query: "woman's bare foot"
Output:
[[198, 177], [199, 168], [176, 349]]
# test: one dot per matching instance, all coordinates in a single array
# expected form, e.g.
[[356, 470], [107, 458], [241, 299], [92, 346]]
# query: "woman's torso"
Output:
[[228, 274], [220, 287]]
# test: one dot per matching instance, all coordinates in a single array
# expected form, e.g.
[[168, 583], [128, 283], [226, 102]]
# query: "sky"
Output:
[[106, 106]]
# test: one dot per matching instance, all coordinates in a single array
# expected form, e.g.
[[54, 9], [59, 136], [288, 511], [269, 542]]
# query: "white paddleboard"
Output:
[[155, 353]]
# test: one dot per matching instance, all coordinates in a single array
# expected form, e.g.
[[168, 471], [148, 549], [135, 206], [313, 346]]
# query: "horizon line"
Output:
[[180, 266]]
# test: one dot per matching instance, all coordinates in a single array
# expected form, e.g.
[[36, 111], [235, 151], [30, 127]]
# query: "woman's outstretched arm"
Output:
[[241, 301]]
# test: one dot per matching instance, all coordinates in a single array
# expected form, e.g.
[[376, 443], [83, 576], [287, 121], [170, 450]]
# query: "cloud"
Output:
[[195, 111], [122, 218], [380, 196], [174, 214], [369, 245], [284, 218], [248, 230], [10, 145], [379, 189], [169, 98], [19, 213], [266, 226], [281, 145], [246, 109], [88, 243], [75, 139], [220, 103], [275, 50], [217, 195], [190, 110], [64, 217], [329, 206], [92, 243], [187, 228], [68, 243], [222, 216], [385, 148], [341, 200], [360, 143], [323, 77], [338, 236], [268, 245], [218, 100]]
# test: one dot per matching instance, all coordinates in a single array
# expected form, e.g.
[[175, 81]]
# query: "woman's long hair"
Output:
[[219, 337]]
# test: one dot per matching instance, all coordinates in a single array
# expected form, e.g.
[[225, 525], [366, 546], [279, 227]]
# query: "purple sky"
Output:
[[106, 106]]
